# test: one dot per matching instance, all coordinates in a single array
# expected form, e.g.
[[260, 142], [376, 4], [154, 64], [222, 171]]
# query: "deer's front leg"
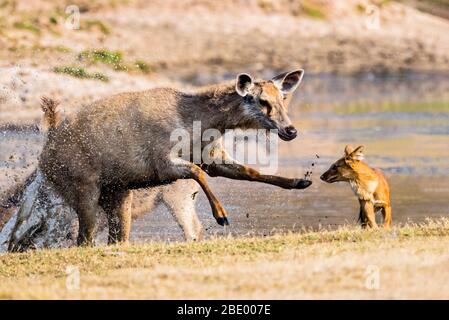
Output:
[[240, 172], [187, 170]]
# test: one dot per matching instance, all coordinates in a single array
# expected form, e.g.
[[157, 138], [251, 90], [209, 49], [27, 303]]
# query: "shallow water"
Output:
[[415, 162], [411, 145]]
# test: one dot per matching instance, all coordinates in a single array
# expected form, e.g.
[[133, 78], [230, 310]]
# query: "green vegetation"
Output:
[[92, 24], [62, 49], [143, 66], [35, 20], [313, 11], [37, 47], [53, 20], [26, 25], [79, 72], [114, 59], [102, 55]]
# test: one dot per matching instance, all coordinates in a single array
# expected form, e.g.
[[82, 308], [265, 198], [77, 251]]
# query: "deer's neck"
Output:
[[217, 107]]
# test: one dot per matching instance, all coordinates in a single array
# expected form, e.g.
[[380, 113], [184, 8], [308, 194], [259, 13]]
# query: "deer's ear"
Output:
[[357, 154], [278, 79], [243, 84], [288, 82]]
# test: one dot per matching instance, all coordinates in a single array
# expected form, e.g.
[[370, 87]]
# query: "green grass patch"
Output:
[[313, 11], [96, 24], [62, 49], [28, 26], [112, 58], [57, 48], [53, 20], [143, 66], [80, 72], [102, 55]]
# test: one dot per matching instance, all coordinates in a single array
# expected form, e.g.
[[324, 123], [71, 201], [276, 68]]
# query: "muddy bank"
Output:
[[135, 45], [173, 38]]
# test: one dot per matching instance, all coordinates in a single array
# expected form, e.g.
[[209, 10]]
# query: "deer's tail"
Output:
[[12, 197], [52, 116]]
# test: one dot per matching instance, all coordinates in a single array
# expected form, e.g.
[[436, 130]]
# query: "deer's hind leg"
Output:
[[117, 206], [85, 203]]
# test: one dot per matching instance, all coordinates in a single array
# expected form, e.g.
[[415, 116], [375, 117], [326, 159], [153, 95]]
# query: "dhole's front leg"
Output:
[[368, 214], [240, 172], [187, 170]]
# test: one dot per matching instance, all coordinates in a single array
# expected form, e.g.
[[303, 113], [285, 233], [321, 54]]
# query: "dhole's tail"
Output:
[[52, 117]]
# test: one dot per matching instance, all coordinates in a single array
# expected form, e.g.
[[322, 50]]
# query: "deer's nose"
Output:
[[291, 131]]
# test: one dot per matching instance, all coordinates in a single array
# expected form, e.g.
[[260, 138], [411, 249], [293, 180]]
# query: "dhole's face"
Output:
[[266, 102], [338, 171], [344, 168]]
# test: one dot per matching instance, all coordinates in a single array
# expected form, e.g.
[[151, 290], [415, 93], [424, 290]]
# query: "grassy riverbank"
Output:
[[405, 262]]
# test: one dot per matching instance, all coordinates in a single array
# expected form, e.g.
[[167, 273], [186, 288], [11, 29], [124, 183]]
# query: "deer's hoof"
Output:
[[223, 221], [302, 184]]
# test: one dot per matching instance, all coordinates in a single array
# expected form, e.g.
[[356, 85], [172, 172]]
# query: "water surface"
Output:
[[403, 122]]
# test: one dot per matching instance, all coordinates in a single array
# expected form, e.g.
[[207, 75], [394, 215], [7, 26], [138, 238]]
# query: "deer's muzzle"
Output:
[[288, 133]]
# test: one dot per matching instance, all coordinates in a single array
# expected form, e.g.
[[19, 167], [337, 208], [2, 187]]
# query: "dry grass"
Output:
[[412, 261]]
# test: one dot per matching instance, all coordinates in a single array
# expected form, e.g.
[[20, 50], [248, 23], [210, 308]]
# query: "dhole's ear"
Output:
[[287, 82], [348, 150], [357, 154], [243, 84]]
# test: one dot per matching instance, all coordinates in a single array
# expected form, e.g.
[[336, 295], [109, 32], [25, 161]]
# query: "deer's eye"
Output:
[[264, 103]]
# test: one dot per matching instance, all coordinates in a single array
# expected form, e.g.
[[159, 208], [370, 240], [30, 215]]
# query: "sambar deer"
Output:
[[96, 157]]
